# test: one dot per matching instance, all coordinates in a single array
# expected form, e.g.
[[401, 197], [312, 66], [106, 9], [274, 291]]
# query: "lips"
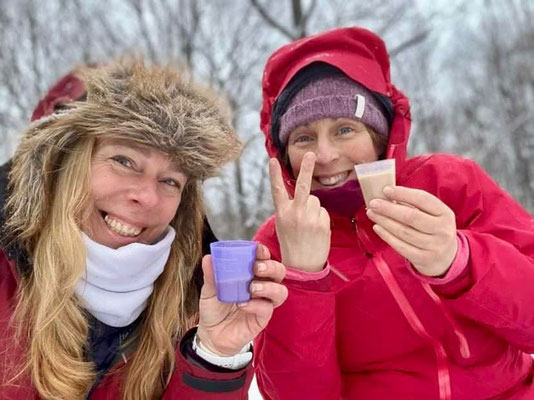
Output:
[[121, 227], [332, 180]]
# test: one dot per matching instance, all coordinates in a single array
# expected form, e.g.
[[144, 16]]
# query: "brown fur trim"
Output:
[[157, 106]]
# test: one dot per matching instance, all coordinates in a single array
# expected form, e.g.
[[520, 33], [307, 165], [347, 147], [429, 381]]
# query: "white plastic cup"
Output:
[[374, 177]]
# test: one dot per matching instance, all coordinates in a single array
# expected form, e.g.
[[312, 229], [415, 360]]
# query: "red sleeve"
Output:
[[457, 268], [191, 380], [496, 288], [295, 356]]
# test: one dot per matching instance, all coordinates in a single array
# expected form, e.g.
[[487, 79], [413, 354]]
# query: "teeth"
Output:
[[120, 228], [333, 180]]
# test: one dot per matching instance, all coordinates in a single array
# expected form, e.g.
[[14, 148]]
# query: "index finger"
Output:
[[420, 199], [304, 180], [278, 190], [208, 288], [262, 252]]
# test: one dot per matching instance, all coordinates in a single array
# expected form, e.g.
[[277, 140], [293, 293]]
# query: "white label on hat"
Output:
[[360, 105]]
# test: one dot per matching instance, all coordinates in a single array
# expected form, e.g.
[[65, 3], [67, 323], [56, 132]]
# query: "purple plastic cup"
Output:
[[232, 266]]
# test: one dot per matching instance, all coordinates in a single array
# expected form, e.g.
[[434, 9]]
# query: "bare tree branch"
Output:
[[300, 18], [34, 44], [310, 10], [297, 12], [414, 40], [271, 21], [145, 31]]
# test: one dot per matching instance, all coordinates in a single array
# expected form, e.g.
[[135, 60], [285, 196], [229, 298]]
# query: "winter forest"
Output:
[[467, 67]]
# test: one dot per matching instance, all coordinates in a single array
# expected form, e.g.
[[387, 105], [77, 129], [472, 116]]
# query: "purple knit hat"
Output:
[[333, 96]]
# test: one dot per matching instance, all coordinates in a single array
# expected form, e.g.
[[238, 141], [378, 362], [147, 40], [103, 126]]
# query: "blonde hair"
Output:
[[54, 325]]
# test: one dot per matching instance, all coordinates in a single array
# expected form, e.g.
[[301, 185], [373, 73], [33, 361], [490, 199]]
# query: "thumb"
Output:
[[208, 289]]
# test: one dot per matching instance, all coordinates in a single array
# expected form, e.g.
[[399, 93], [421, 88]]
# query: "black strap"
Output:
[[214, 386]]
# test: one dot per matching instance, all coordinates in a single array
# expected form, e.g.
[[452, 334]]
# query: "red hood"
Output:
[[67, 89], [361, 55], [70, 87]]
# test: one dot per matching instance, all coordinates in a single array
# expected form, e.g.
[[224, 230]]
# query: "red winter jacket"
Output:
[[377, 330], [188, 381]]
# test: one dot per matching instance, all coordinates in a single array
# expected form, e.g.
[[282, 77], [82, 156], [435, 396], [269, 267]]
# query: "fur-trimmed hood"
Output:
[[159, 107]]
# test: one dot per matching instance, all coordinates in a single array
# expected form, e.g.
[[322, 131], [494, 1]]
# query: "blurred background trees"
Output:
[[467, 66]]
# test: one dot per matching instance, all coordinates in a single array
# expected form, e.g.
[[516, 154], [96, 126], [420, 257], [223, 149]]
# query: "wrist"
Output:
[[456, 269], [203, 339], [234, 362], [305, 276], [312, 268], [434, 273], [440, 270]]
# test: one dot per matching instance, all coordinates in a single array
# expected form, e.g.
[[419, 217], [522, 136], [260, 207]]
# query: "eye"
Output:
[[302, 139], [124, 161], [171, 182], [345, 130]]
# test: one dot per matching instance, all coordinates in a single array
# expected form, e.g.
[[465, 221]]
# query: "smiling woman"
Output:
[[103, 236], [136, 192], [341, 142], [422, 293]]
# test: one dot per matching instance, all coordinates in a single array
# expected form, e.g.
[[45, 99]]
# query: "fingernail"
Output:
[[374, 203], [262, 267], [370, 213], [241, 305], [388, 190], [257, 287]]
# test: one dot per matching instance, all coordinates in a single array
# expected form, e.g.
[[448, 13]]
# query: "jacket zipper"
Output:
[[120, 351], [354, 223]]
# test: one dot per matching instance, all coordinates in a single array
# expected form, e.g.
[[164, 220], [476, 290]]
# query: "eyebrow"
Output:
[[176, 168], [145, 150]]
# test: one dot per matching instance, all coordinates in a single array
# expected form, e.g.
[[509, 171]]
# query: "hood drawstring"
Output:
[[444, 381], [406, 308], [464, 346]]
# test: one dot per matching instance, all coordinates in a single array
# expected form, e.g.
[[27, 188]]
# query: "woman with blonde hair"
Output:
[[102, 237]]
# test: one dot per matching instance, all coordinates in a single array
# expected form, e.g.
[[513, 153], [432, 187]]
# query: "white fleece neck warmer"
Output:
[[118, 282]]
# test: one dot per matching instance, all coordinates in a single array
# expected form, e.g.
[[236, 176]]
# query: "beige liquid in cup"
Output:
[[373, 177]]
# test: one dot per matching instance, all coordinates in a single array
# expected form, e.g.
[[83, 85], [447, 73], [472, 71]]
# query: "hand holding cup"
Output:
[[418, 225], [224, 328]]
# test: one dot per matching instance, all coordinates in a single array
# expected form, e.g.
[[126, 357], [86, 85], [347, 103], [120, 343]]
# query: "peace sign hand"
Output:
[[302, 225]]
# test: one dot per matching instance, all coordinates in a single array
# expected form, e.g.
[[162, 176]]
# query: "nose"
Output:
[[326, 151], [144, 192]]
